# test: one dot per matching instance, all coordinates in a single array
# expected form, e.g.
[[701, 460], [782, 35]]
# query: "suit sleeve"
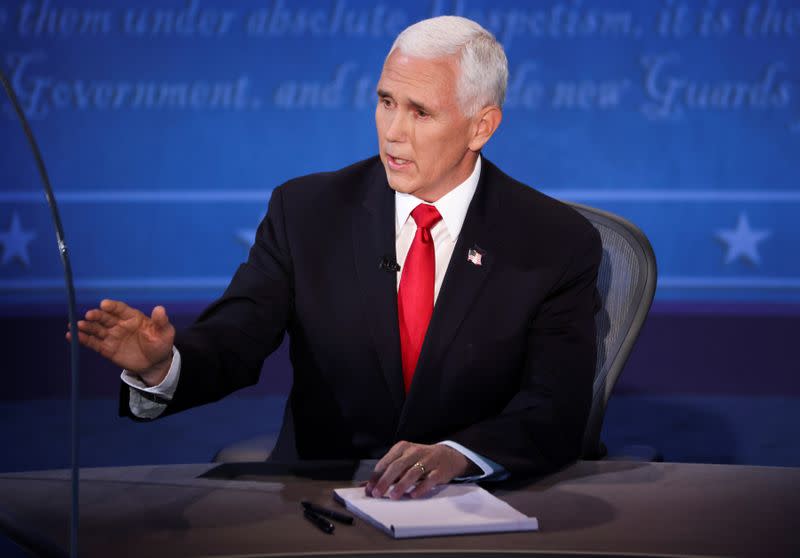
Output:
[[225, 348], [541, 428]]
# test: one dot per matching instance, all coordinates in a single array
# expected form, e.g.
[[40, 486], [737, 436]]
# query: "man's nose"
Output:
[[397, 130]]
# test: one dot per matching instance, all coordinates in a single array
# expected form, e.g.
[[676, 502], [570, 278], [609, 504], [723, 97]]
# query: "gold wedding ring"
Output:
[[419, 466]]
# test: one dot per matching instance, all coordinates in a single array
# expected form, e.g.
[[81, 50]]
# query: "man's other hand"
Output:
[[406, 465], [130, 339]]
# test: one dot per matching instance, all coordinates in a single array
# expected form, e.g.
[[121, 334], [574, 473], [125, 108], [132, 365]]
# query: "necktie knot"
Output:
[[425, 216]]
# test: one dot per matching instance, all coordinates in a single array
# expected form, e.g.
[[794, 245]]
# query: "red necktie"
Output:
[[415, 297]]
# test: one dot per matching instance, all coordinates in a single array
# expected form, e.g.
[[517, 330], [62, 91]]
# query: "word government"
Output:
[[41, 94]]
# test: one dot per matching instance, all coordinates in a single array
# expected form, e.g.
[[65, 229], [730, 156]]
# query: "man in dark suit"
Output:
[[441, 314]]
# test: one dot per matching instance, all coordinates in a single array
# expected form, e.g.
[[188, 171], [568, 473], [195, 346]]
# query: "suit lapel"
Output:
[[374, 238], [462, 284]]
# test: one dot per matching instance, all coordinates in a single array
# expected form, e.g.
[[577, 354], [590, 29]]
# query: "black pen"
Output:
[[322, 523], [319, 510]]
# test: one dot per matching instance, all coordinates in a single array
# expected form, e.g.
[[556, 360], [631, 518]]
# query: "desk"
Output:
[[589, 508]]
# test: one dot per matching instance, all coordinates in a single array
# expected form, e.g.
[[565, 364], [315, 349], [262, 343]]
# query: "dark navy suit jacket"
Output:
[[507, 365]]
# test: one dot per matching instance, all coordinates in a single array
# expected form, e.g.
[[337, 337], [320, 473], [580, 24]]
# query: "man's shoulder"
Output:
[[527, 207], [344, 184]]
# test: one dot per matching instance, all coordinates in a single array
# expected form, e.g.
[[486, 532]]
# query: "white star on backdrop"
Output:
[[743, 241], [15, 242]]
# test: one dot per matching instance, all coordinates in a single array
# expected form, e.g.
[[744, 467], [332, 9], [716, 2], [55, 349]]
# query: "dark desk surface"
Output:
[[591, 508]]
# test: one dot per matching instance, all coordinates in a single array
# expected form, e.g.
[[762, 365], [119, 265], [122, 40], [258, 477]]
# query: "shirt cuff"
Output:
[[491, 470], [150, 401]]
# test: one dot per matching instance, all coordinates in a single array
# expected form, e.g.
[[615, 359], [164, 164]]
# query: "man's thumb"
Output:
[[159, 317]]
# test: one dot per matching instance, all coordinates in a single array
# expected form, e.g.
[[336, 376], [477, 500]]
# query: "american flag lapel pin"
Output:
[[475, 256]]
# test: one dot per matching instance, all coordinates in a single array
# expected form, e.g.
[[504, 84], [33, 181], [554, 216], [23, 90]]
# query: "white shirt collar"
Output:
[[452, 206]]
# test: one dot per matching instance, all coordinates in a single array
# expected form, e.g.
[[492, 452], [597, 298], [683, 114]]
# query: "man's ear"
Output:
[[486, 122]]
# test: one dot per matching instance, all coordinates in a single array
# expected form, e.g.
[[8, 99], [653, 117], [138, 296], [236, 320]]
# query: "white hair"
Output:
[[483, 64]]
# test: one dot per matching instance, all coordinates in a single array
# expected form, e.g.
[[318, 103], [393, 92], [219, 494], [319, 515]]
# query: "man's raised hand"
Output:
[[130, 339]]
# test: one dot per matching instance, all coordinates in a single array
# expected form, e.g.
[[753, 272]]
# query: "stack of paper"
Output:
[[453, 509]]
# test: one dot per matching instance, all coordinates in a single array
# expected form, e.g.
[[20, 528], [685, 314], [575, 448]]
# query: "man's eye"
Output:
[[421, 113], [387, 103]]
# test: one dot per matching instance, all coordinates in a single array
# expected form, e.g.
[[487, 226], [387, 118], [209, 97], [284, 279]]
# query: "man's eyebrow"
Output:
[[416, 104]]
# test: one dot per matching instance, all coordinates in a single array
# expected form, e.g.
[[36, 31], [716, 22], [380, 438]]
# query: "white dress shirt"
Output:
[[453, 209]]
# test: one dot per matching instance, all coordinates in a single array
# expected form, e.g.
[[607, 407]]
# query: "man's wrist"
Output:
[[472, 469], [156, 374], [487, 469], [467, 467]]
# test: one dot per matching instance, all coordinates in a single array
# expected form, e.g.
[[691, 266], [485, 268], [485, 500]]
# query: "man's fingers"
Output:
[[92, 328], [369, 486], [90, 341], [117, 308], [102, 317], [159, 317], [392, 455], [393, 472], [112, 312], [113, 306], [405, 455], [428, 483], [413, 474]]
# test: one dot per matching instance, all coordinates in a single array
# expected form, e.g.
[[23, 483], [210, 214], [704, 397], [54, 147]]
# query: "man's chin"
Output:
[[400, 185]]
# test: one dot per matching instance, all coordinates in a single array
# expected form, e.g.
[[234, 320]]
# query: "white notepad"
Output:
[[453, 509]]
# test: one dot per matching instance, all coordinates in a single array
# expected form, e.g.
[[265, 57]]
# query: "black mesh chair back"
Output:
[[627, 284]]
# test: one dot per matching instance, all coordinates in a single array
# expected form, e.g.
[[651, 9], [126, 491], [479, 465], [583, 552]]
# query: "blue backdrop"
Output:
[[166, 124]]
